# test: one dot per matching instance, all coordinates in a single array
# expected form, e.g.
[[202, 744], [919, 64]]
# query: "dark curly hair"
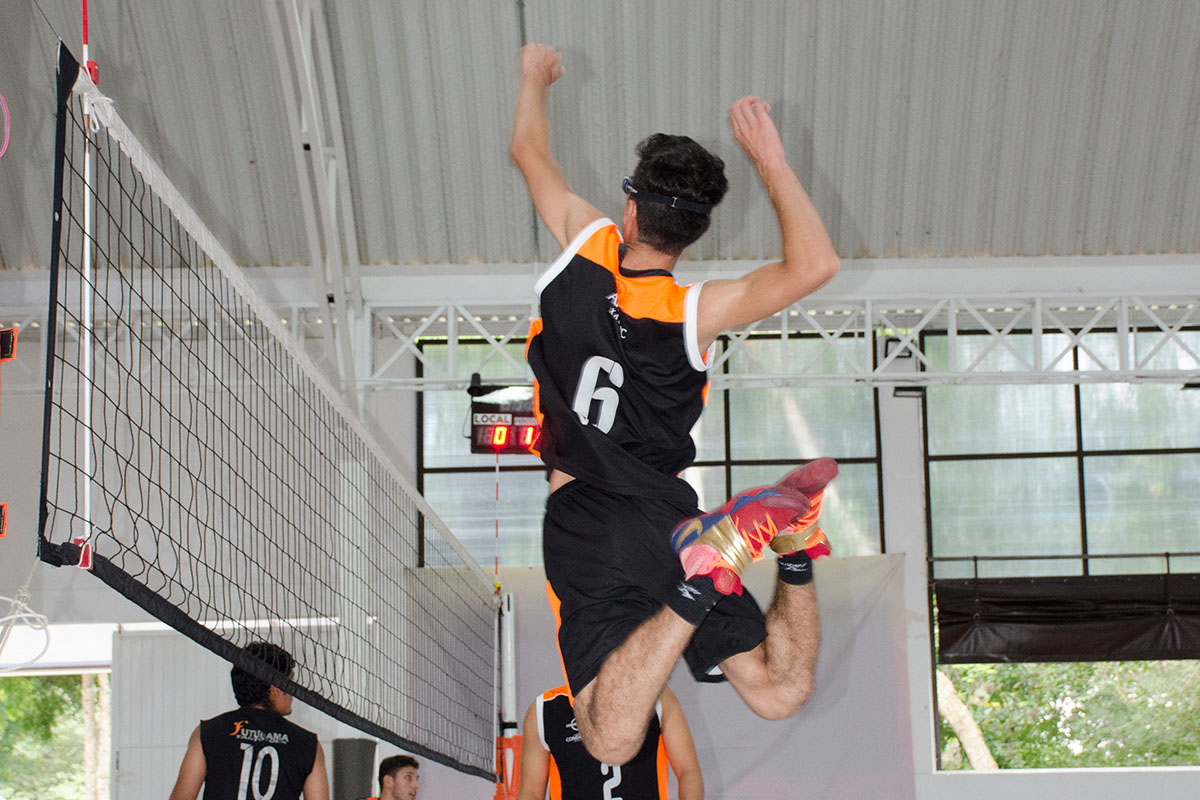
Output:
[[676, 166], [249, 690], [393, 764]]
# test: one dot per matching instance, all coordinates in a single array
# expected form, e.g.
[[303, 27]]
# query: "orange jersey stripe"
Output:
[[652, 297], [662, 768], [555, 782], [603, 247], [535, 329]]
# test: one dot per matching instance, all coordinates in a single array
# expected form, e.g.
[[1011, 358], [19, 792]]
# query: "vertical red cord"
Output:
[[496, 567]]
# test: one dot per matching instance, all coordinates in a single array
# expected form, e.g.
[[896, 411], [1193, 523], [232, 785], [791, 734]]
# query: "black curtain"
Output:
[[1081, 618]]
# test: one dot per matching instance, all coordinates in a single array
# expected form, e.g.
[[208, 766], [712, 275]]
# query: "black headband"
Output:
[[673, 202]]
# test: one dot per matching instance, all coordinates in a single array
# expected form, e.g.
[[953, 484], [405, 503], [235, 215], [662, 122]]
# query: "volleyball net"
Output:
[[198, 462]]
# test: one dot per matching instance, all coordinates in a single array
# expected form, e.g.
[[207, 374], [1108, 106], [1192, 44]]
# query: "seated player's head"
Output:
[[252, 691], [675, 166], [398, 778]]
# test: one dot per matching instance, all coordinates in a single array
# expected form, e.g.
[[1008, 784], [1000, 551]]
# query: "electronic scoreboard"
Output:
[[502, 421]]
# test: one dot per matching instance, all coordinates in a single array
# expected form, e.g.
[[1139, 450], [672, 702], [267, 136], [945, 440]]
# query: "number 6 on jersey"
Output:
[[587, 392]]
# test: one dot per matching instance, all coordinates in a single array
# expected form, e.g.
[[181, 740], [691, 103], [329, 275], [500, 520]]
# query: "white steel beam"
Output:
[[318, 143]]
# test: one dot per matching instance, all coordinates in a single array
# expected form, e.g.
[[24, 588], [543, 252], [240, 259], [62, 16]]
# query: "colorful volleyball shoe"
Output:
[[724, 542], [810, 481]]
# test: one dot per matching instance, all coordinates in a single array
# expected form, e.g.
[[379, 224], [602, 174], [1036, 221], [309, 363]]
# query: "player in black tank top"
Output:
[[553, 756], [619, 358], [252, 751], [255, 752]]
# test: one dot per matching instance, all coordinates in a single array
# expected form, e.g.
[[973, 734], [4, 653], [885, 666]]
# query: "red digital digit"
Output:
[[530, 433], [500, 436]]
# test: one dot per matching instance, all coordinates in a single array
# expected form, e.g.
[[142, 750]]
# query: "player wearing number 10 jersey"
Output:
[[252, 752]]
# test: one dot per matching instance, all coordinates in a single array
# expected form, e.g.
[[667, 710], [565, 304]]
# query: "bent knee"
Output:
[[610, 749], [783, 701]]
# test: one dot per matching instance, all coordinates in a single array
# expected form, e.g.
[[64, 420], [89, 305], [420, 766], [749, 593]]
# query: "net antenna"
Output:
[[221, 481], [83, 540]]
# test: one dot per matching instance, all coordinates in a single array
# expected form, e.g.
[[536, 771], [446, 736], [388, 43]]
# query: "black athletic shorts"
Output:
[[610, 563]]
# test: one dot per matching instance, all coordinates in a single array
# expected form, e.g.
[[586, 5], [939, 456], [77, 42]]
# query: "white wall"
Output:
[[163, 684]]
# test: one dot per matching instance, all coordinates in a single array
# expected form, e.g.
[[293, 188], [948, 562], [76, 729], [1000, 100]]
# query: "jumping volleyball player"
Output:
[[620, 355]]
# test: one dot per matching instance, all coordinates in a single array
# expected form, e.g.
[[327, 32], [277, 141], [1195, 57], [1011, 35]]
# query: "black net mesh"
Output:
[[219, 482]]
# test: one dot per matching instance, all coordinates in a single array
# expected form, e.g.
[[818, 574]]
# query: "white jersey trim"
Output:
[[691, 330], [565, 257], [541, 710]]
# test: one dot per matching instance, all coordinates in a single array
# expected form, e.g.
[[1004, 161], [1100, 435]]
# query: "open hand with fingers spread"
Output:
[[755, 131], [541, 63]]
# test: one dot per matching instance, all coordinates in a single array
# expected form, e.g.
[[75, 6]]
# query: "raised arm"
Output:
[[809, 260], [564, 212], [192, 771], [681, 750], [535, 760]]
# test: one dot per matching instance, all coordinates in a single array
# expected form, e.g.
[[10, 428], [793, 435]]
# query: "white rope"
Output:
[[19, 612]]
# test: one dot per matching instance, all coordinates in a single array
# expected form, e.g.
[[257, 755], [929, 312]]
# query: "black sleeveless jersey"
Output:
[[252, 752], [619, 377], [575, 775]]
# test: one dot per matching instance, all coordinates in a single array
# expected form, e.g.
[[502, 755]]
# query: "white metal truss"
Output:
[[1147, 339], [318, 143], [871, 327]]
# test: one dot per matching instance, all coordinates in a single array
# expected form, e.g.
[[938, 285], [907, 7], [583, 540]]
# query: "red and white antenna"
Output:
[[84, 540], [92, 69]]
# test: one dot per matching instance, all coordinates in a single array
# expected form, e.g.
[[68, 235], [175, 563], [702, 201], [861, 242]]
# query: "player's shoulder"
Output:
[[598, 242], [222, 717]]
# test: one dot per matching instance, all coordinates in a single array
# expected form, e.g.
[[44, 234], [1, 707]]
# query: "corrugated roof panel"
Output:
[[199, 86], [427, 110], [923, 128]]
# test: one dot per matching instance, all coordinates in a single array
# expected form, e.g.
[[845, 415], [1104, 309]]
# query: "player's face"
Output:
[[405, 784]]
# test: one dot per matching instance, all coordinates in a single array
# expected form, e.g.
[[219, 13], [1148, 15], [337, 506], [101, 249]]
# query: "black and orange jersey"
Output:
[[619, 377], [253, 752], [574, 774]]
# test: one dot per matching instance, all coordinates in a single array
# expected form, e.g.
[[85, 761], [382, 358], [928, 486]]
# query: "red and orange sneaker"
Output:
[[724, 542], [803, 534]]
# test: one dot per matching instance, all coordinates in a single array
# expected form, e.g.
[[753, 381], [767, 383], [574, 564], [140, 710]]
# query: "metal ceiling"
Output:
[[922, 128]]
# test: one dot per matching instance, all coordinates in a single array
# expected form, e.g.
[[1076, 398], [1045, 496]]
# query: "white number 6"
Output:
[[587, 393]]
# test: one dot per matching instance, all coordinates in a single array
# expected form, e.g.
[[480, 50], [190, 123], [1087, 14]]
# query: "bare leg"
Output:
[[776, 678], [613, 710]]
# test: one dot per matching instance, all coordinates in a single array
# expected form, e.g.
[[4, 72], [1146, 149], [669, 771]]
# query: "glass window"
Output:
[[793, 423], [709, 433], [1140, 415], [466, 502], [1005, 507], [996, 419], [1143, 504], [709, 483]]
